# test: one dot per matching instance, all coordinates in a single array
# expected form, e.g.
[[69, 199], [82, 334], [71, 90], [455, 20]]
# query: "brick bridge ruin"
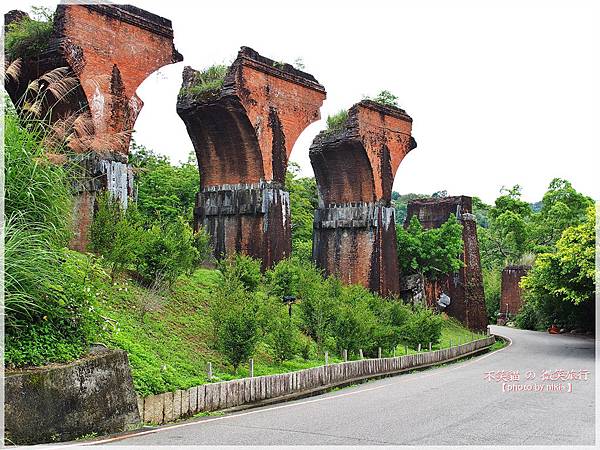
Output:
[[511, 297], [354, 228], [243, 136], [465, 287], [108, 51]]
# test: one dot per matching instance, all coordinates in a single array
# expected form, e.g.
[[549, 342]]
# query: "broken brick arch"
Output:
[[354, 184], [354, 233], [243, 136], [110, 50], [223, 137]]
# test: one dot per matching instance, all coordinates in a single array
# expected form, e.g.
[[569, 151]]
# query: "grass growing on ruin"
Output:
[[208, 83], [29, 36], [337, 121]]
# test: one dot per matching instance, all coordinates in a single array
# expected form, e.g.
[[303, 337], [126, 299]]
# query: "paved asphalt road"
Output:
[[449, 405]]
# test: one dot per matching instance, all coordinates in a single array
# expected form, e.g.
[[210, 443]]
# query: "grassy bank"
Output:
[[169, 337]]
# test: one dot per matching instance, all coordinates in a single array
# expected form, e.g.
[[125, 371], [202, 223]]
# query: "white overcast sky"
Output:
[[500, 92]]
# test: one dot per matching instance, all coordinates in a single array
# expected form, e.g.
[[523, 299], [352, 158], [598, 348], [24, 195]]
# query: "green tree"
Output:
[[386, 98], [233, 312], [505, 241], [164, 191], [166, 251], [510, 200], [561, 284], [507, 237], [433, 252], [562, 207]]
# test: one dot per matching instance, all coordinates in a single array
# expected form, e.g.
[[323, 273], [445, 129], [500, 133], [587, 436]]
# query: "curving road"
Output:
[[453, 404]]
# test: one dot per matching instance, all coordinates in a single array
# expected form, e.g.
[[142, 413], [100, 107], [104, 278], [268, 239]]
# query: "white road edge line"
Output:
[[287, 405]]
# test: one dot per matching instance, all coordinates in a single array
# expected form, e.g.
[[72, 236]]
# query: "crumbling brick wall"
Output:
[[464, 287], [511, 297], [243, 136], [109, 50], [354, 228]]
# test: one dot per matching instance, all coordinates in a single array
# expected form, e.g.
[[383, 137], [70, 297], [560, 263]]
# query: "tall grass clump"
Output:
[[337, 121], [49, 303], [208, 83], [37, 192]]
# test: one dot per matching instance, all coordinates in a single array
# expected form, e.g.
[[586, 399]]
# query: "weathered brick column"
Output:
[[354, 230], [243, 136], [109, 50], [511, 297], [465, 287]]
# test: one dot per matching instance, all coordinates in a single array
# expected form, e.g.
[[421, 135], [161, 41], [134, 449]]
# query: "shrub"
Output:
[[529, 318], [352, 326], [337, 121], [114, 234], [234, 315], [201, 242], [49, 301], [285, 278], [317, 300], [386, 98], [492, 279], [307, 347], [63, 321], [166, 252], [423, 327], [208, 83], [242, 268], [29, 37], [285, 339]]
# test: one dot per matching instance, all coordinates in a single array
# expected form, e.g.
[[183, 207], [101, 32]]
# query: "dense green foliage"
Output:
[[29, 36], [492, 284], [303, 202], [49, 303], [513, 231], [36, 192], [432, 252], [561, 286], [164, 191], [159, 252]]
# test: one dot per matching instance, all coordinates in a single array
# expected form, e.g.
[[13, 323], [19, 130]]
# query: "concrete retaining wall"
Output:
[[170, 406], [64, 402]]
